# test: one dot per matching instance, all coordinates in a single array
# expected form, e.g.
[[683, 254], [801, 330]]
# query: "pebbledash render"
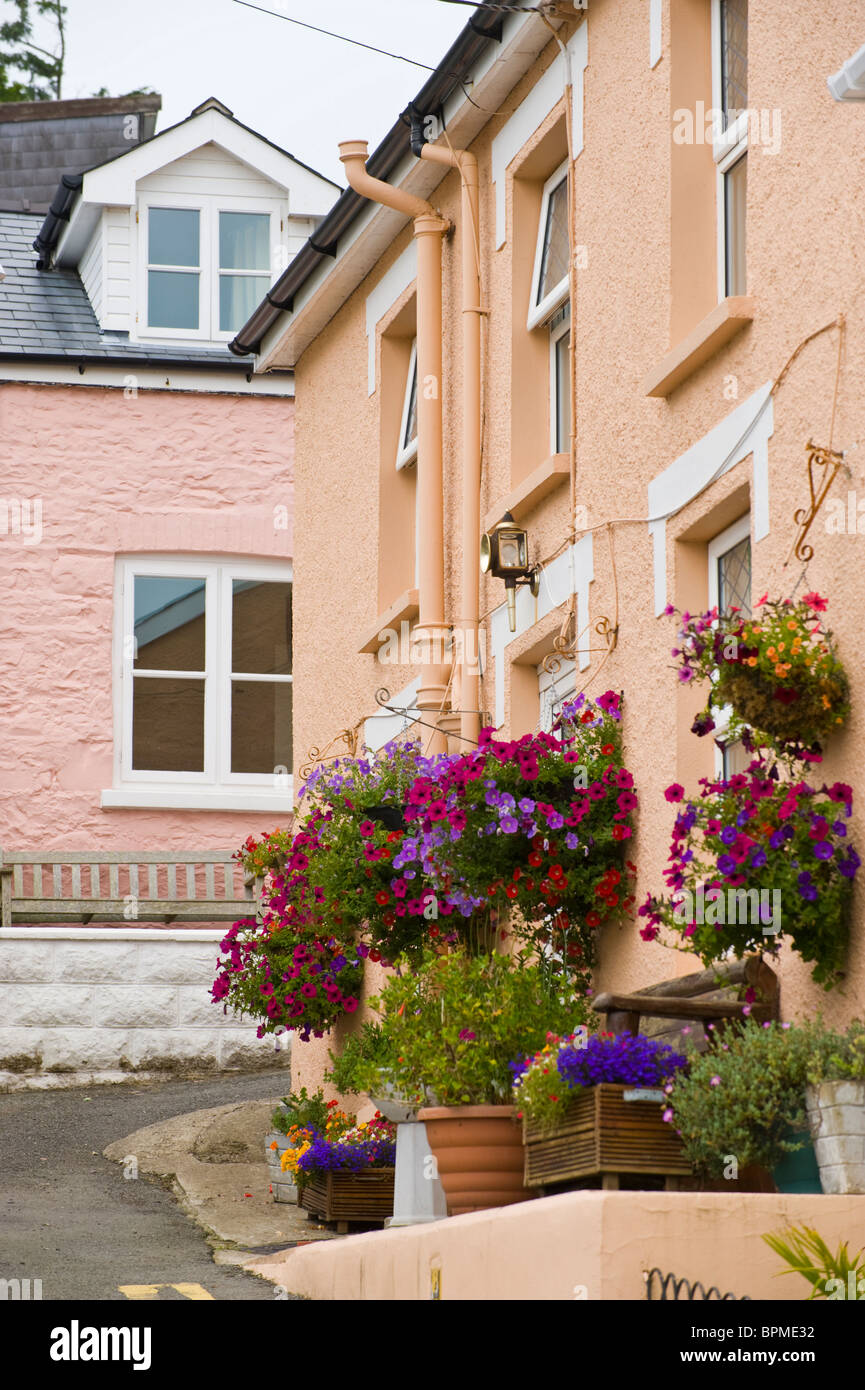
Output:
[[704, 252], [146, 569]]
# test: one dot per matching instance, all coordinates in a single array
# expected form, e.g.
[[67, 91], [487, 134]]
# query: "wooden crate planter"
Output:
[[345, 1197], [602, 1135]]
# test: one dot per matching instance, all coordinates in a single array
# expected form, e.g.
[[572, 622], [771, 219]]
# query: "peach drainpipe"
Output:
[[469, 692], [429, 230]]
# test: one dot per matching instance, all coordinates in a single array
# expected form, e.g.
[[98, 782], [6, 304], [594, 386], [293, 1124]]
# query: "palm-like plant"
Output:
[[805, 1251]]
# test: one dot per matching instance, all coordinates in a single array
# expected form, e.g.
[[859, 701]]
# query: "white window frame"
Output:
[[208, 208], [540, 313], [556, 335], [728, 147], [554, 688], [407, 451], [717, 547], [216, 785]]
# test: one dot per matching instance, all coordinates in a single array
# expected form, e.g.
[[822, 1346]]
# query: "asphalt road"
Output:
[[68, 1217]]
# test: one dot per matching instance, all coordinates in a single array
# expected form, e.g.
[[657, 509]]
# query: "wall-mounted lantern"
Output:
[[505, 554]]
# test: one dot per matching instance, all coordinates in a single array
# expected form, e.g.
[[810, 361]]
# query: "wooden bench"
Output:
[[122, 886], [714, 996]]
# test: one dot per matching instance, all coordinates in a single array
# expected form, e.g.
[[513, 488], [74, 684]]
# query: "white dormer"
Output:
[[182, 237]]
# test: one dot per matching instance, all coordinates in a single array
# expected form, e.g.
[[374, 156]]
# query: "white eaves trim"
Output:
[[115, 184], [133, 378], [524, 37], [848, 84]]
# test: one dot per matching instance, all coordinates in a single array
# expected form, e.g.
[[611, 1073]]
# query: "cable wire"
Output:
[[329, 33]]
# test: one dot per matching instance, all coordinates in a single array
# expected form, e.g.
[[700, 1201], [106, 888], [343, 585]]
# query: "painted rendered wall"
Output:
[[806, 229], [581, 1246], [168, 472]]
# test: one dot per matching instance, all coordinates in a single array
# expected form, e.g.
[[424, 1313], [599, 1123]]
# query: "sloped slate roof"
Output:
[[46, 315]]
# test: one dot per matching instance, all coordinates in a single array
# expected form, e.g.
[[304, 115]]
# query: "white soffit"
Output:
[[848, 84]]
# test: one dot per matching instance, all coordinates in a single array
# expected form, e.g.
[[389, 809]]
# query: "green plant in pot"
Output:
[[451, 1029], [836, 1109], [742, 1103]]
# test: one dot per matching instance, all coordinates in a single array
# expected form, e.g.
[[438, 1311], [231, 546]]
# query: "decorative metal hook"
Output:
[[829, 461]]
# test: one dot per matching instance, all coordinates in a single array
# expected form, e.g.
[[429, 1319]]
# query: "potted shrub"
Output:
[[754, 859], [346, 1174], [836, 1109], [452, 1029], [296, 1118], [838, 1276], [778, 670], [591, 1108], [741, 1104]]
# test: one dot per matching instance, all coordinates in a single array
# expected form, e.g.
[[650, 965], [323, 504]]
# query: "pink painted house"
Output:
[[146, 503]]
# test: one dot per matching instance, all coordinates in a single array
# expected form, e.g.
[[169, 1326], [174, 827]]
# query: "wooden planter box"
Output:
[[344, 1197], [602, 1135]]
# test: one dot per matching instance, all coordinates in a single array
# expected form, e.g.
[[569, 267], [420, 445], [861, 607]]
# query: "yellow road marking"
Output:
[[150, 1292]]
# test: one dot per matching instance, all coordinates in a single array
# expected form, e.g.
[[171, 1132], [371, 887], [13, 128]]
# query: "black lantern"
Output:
[[505, 554]]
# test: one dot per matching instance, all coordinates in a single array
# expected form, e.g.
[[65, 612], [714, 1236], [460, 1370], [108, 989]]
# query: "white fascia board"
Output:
[[115, 184], [132, 377], [848, 84], [327, 289]]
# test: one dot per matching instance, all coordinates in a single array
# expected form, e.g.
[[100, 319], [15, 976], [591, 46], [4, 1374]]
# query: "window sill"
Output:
[[551, 474], [402, 610], [723, 323], [188, 799]]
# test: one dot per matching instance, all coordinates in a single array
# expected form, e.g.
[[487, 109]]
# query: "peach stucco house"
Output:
[[660, 459], [146, 542]]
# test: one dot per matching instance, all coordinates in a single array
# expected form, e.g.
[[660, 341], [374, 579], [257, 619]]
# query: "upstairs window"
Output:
[[550, 276], [730, 587], [174, 268], [407, 451], [560, 381], [244, 253], [730, 144], [206, 268]]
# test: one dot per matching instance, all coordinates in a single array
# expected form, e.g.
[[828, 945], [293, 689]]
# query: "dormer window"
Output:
[[206, 266], [244, 253], [173, 268]]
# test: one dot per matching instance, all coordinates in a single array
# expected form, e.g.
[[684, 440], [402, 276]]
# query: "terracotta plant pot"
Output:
[[479, 1154]]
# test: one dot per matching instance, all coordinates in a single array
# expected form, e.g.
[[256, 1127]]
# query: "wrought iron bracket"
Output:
[[823, 466]]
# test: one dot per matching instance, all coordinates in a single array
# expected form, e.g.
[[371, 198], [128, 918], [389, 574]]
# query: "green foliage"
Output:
[[805, 1251], [745, 1096], [40, 72], [839, 1056], [357, 1066], [301, 1111], [454, 1026]]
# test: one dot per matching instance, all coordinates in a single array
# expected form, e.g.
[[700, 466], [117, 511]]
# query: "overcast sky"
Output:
[[303, 91]]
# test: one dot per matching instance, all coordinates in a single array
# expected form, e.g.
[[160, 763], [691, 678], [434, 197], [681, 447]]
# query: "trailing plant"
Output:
[[264, 856], [538, 825], [297, 980], [778, 669], [355, 1149], [753, 860], [453, 1027], [743, 1097], [806, 1252], [545, 1082]]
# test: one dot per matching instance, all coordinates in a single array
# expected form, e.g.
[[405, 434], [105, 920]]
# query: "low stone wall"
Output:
[[87, 1004]]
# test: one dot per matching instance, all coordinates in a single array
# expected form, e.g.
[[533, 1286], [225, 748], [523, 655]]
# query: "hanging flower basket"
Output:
[[779, 671], [754, 860]]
